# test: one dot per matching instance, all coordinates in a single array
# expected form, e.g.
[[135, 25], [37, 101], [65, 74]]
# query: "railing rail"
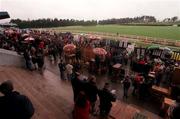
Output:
[[131, 38]]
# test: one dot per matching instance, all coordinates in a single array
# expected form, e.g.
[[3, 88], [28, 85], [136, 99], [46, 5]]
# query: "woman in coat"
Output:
[[82, 107]]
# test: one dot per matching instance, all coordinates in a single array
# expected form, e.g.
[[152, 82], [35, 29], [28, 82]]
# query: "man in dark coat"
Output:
[[62, 68], [40, 59], [97, 61], [91, 92], [106, 97], [75, 85], [13, 105], [126, 86], [78, 55], [27, 59]]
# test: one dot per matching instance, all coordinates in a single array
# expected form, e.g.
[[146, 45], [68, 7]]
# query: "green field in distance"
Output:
[[166, 32]]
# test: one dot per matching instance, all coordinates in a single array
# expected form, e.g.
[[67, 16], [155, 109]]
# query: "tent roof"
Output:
[[4, 15]]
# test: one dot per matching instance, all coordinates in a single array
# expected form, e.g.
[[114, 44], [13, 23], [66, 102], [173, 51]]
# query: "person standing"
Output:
[[27, 58], [136, 82], [69, 71], [159, 76], [78, 54], [62, 69], [82, 107], [13, 105], [106, 97], [75, 85], [126, 86], [34, 57], [97, 62], [40, 60], [92, 91]]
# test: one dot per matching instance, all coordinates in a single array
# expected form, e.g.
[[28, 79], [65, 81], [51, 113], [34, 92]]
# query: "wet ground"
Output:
[[150, 104], [53, 98]]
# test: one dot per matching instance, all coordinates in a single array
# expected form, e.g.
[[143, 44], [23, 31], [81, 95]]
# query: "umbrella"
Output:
[[153, 47], [77, 38], [25, 35], [82, 34], [92, 37], [69, 48], [10, 31], [167, 49], [29, 39], [99, 51]]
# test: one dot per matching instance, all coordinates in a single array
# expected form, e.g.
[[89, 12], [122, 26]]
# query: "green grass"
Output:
[[166, 32]]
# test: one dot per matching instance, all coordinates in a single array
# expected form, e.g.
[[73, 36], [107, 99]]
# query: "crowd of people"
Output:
[[141, 72], [85, 97], [34, 45]]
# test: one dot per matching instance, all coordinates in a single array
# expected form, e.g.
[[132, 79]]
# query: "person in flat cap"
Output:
[[13, 105]]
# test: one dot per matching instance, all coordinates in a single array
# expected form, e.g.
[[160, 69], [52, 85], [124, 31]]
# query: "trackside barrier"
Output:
[[131, 38]]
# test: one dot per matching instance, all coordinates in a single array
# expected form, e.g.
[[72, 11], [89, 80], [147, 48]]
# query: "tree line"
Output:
[[47, 23], [142, 19]]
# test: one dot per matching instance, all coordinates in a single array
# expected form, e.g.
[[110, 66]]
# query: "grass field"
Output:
[[166, 32]]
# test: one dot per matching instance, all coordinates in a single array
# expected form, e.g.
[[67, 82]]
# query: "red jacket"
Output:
[[41, 45], [142, 62], [82, 113]]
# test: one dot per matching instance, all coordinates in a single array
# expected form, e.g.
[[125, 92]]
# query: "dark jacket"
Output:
[[26, 56], [15, 106], [92, 91], [62, 67], [126, 84], [106, 97]]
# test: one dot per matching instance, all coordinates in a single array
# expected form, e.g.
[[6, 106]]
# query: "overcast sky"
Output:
[[90, 9]]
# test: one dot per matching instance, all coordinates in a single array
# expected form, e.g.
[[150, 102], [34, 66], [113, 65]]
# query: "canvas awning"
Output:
[[4, 15]]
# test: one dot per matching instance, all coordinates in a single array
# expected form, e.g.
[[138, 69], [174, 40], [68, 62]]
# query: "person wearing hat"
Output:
[[13, 105], [106, 99]]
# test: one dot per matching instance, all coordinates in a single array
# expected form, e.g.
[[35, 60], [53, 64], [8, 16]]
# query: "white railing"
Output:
[[131, 38]]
